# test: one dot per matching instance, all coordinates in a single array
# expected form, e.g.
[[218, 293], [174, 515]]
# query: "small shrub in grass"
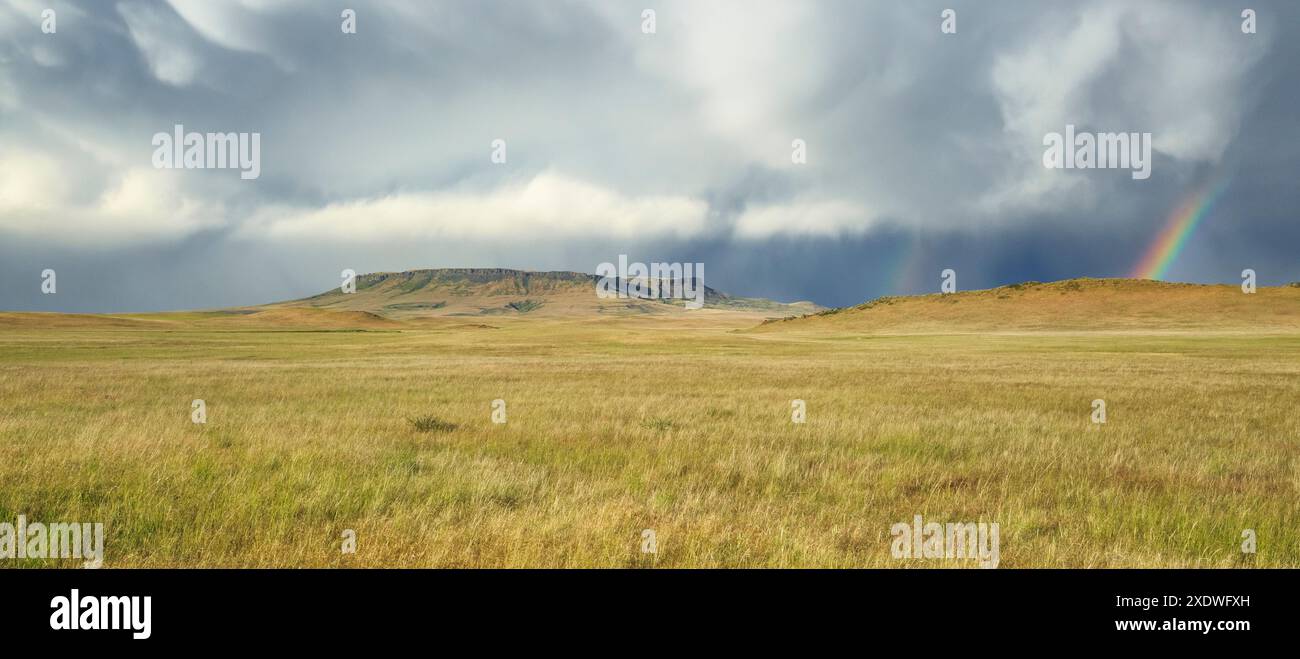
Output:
[[429, 423], [658, 424], [524, 306]]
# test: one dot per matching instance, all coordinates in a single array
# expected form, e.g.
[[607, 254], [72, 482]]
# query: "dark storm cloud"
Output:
[[924, 149]]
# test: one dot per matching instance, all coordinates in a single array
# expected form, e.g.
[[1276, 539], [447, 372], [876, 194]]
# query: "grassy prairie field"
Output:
[[620, 425]]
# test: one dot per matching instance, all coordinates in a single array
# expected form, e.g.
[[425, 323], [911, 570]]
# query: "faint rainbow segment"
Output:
[[1169, 243]]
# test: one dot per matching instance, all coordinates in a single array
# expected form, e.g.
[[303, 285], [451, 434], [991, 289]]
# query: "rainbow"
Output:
[[1169, 243], [906, 267]]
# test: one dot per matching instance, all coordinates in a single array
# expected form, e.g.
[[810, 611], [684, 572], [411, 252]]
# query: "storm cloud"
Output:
[[924, 149]]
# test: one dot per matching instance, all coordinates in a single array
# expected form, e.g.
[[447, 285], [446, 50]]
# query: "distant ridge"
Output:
[[476, 298], [482, 292], [1068, 305]]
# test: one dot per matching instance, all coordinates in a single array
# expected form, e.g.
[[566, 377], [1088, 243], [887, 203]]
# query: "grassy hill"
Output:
[[1069, 305], [471, 298]]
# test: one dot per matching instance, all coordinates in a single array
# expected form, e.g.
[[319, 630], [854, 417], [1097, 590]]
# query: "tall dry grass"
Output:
[[618, 427]]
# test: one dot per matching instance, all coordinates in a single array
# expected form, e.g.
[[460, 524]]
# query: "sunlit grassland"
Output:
[[619, 426]]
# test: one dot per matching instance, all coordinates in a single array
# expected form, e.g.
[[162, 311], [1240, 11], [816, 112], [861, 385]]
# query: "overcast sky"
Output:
[[924, 149]]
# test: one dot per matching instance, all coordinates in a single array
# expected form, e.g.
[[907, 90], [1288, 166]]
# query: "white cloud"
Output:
[[807, 218], [47, 57], [548, 206], [644, 131], [39, 199], [148, 202], [162, 40], [29, 181], [240, 25], [749, 65], [1171, 69]]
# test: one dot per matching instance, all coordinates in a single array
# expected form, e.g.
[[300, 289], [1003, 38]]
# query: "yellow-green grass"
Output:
[[620, 425]]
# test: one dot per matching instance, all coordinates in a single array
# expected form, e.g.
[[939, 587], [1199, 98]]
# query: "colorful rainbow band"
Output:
[[1169, 243]]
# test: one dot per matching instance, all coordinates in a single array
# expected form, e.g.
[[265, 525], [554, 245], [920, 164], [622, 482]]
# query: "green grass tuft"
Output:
[[431, 424]]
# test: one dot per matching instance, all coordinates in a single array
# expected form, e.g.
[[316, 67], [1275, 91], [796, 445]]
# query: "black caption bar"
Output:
[[309, 608]]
